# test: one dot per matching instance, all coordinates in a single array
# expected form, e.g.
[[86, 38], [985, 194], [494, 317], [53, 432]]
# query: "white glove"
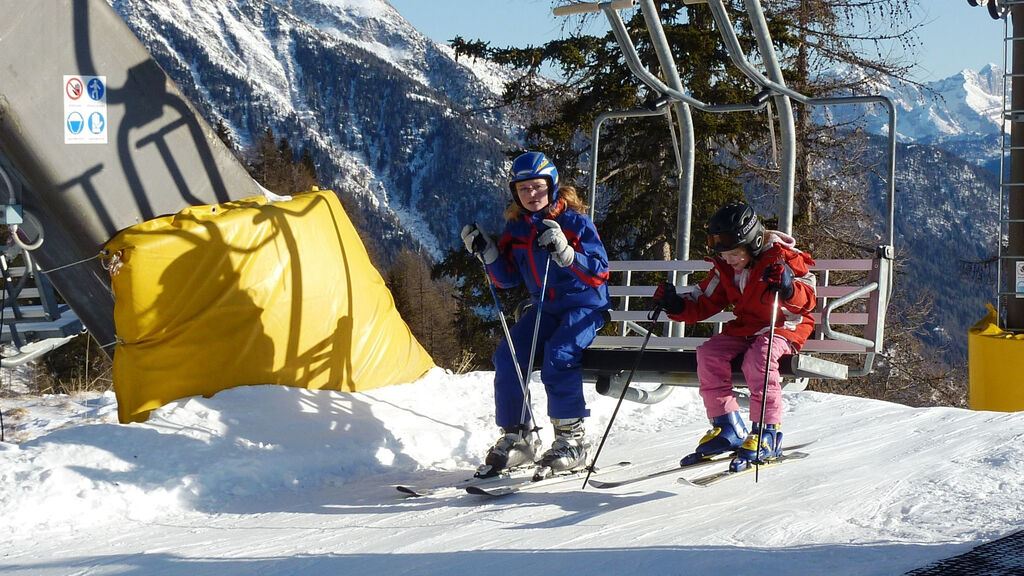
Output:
[[553, 240], [478, 243]]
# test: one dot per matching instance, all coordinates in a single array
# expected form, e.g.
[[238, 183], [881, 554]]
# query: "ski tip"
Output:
[[494, 492], [688, 482]]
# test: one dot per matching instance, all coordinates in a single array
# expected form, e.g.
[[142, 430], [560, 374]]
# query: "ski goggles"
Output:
[[723, 242]]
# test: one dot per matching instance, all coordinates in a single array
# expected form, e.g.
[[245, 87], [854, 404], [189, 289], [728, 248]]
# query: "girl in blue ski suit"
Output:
[[546, 229]]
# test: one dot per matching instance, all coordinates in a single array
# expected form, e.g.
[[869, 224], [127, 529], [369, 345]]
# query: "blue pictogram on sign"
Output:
[[96, 123], [96, 89], [75, 122]]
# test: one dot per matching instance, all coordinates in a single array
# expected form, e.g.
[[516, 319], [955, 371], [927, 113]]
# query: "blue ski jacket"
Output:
[[582, 284]]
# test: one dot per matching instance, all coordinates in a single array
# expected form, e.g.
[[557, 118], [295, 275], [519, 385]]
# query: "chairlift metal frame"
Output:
[[673, 101]]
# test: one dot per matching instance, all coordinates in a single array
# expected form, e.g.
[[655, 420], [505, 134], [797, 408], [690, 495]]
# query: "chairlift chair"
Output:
[[671, 360]]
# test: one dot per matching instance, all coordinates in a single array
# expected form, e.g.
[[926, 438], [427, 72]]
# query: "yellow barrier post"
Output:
[[995, 366]]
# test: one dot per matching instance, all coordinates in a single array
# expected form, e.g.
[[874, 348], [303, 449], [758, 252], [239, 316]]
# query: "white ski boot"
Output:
[[517, 446], [569, 450]]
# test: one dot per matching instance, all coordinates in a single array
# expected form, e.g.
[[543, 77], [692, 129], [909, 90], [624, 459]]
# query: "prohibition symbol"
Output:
[[74, 88]]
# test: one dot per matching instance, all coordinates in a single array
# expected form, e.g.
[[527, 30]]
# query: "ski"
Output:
[[605, 484], [459, 486], [715, 477], [528, 483]]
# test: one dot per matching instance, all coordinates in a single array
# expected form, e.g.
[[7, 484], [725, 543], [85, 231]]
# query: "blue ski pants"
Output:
[[561, 339]]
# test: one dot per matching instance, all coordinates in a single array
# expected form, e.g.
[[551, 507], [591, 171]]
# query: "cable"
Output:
[[3, 309]]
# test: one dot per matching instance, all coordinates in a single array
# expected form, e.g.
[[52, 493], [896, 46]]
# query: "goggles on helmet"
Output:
[[723, 242]]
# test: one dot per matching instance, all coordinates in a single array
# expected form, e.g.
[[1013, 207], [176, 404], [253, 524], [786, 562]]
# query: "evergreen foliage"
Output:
[[639, 178], [427, 305], [274, 165], [475, 314]]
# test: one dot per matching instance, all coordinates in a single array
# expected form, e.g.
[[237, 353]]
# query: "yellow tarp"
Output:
[[995, 366], [251, 292]]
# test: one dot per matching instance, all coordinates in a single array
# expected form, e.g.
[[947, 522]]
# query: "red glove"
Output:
[[665, 296], [779, 277]]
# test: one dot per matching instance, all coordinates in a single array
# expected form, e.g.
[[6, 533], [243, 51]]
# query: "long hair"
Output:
[[568, 199]]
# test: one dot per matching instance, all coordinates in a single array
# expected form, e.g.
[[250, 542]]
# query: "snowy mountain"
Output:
[[961, 114], [282, 481], [391, 119], [946, 219], [947, 184]]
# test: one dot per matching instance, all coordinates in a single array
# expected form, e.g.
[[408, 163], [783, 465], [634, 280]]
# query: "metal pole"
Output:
[[1014, 260], [622, 395], [785, 110], [533, 347], [682, 111], [764, 391], [512, 350]]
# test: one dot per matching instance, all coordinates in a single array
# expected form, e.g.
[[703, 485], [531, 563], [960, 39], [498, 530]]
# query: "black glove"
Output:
[[666, 297], [779, 277]]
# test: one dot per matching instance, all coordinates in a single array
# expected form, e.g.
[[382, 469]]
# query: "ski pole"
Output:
[[764, 391], [533, 348], [511, 346], [653, 317]]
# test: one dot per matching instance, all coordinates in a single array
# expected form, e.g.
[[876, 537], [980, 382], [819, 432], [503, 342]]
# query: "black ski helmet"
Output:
[[735, 225]]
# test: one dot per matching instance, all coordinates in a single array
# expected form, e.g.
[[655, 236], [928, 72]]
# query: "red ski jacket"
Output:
[[753, 306]]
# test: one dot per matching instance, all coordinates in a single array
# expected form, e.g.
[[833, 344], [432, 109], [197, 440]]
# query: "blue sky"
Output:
[[955, 35]]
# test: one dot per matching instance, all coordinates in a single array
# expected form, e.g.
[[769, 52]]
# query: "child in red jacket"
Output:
[[750, 266]]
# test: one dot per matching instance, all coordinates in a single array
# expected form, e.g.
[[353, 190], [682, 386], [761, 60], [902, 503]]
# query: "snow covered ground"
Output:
[[274, 481]]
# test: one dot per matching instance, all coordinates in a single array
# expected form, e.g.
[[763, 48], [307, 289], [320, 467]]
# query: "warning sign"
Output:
[[1020, 279], [85, 109]]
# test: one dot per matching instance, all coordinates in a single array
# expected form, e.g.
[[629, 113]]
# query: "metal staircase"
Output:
[[33, 321]]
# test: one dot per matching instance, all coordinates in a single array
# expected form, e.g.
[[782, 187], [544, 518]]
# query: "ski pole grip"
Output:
[[479, 243], [653, 316]]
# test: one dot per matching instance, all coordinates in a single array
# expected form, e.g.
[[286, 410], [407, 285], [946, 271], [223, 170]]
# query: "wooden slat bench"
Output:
[[671, 358]]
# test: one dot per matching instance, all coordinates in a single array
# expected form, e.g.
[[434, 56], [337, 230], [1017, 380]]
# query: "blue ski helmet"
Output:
[[533, 165], [735, 225]]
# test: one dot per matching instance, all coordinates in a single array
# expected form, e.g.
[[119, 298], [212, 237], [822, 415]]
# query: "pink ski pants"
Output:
[[714, 369]]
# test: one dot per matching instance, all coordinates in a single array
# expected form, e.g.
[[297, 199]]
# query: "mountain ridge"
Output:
[[257, 65], [961, 113]]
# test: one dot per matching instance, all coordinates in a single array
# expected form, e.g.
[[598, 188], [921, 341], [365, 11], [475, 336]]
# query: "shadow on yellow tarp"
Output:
[[996, 366], [218, 296]]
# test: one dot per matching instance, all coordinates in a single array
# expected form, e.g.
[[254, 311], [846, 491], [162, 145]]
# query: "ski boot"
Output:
[[568, 452], [726, 434], [517, 446], [760, 446]]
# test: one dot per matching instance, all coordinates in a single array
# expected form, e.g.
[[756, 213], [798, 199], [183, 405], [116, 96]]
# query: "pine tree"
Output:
[[639, 177], [272, 163], [224, 134], [427, 306]]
